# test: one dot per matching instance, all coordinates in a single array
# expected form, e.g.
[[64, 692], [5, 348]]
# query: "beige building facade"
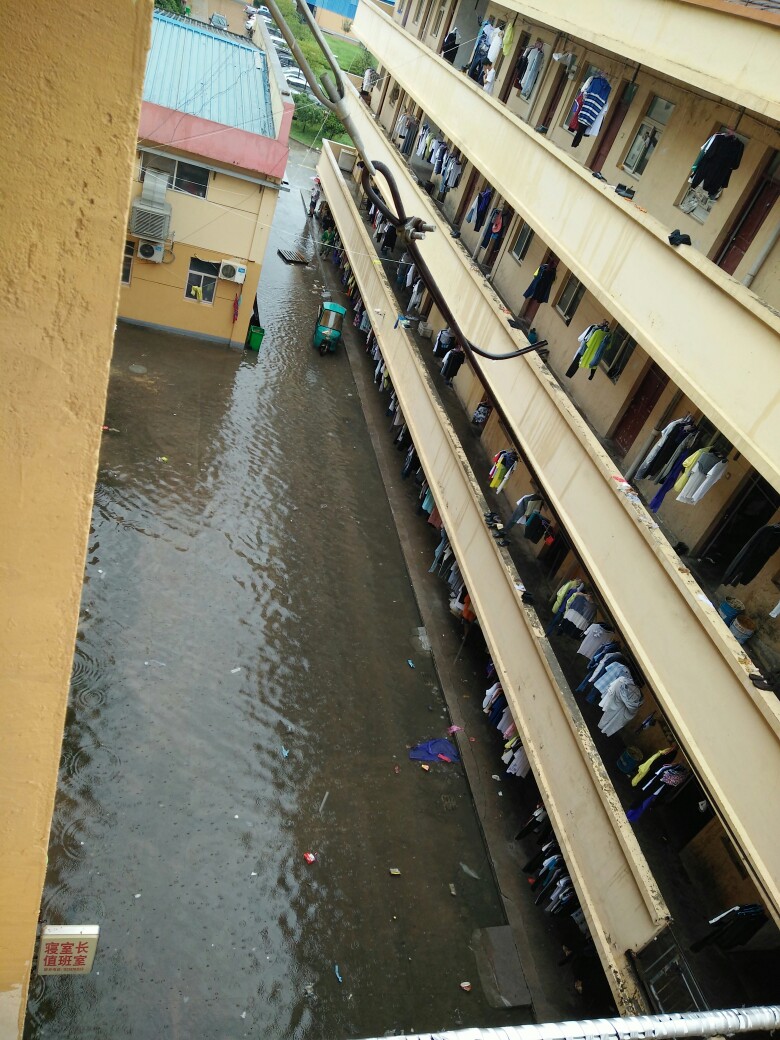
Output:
[[199, 225], [694, 334], [64, 229]]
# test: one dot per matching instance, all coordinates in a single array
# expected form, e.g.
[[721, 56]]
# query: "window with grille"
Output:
[[618, 353], [127, 261], [648, 135], [522, 241], [569, 300]]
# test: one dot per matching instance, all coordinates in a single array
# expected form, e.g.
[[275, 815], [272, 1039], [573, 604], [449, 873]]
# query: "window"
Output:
[[418, 10], [648, 135], [202, 281], [127, 261], [617, 355], [438, 19], [522, 242], [569, 300], [182, 176]]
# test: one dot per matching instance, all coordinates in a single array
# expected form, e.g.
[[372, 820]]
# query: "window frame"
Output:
[[127, 261], [524, 229], [569, 309], [418, 12], [201, 275], [174, 177], [656, 129], [618, 353]]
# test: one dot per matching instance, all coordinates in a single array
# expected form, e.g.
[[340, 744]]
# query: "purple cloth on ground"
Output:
[[429, 751]]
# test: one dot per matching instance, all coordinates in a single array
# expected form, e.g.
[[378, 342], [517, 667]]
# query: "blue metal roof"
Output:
[[209, 73]]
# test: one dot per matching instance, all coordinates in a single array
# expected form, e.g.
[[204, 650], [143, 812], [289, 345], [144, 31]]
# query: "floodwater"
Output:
[[241, 695]]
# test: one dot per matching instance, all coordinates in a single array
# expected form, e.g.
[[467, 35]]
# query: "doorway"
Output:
[[752, 216], [555, 98], [751, 508], [614, 123], [506, 87], [639, 408]]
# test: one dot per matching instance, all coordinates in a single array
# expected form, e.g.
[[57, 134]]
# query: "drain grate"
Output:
[[293, 256]]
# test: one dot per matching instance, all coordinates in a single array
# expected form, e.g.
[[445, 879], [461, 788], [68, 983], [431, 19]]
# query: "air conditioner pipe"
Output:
[[641, 1027]]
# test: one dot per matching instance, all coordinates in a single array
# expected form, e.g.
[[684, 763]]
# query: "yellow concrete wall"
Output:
[[155, 296], [330, 21], [71, 129]]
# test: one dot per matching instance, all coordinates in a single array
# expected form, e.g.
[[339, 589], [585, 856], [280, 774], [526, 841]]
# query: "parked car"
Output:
[[296, 81], [275, 35]]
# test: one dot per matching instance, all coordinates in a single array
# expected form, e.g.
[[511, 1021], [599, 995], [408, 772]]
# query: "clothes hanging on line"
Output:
[[720, 155], [662, 781], [593, 341], [657, 759], [443, 343], [535, 527], [524, 508], [564, 594], [451, 44], [542, 283], [619, 704], [534, 61], [594, 100], [580, 611], [452, 363], [706, 470], [596, 635], [503, 464], [671, 437], [751, 559]]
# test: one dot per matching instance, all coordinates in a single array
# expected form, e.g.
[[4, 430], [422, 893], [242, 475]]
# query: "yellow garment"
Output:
[[682, 480], [499, 475], [562, 592], [197, 292], [510, 743], [509, 35], [644, 769]]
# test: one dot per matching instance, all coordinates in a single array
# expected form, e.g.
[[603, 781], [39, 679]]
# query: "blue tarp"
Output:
[[429, 751]]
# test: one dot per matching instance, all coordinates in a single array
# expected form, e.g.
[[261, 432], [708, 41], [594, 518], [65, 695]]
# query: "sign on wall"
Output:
[[67, 949]]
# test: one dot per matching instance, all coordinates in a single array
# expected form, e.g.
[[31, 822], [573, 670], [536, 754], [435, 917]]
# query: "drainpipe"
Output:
[[759, 262], [640, 1027], [629, 474]]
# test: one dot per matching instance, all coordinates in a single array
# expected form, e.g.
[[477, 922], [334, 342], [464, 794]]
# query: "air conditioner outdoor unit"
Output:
[[151, 251], [232, 271], [150, 214]]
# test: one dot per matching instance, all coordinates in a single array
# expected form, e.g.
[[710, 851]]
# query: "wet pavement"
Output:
[[241, 695]]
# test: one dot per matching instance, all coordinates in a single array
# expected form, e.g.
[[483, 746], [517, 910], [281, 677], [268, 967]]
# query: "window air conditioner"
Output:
[[232, 271], [151, 251], [150, 215]]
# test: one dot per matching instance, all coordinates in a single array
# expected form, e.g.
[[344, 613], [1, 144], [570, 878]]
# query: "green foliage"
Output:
[[171, 6]]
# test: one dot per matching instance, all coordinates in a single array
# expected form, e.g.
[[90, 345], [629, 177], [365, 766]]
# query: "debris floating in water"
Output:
[[469, 872], [285, 752], [338, 973], [322, 803], [410, 662], [234, 670]]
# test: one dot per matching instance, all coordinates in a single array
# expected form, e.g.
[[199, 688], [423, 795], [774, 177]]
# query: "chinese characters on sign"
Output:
[[67, 949]]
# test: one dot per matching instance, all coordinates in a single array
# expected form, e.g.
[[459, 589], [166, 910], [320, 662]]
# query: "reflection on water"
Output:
[[244, 596]]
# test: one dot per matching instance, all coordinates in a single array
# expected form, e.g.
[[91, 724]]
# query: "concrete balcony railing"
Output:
[[730, 730], [726, 49], [714, 337], [612, 878]]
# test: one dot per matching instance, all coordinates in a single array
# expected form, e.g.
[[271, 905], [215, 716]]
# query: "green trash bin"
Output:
[[255, 338]]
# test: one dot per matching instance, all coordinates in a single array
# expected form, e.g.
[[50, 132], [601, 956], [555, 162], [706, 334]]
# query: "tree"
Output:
[[171, 6]]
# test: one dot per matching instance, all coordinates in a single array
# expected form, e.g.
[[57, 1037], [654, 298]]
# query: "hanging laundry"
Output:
[[443, 343], [657, 759], [734, 927], [509, 35], [535, 526], [671, 436], [595, 95], [706, 470], [720, 155], [482, 206], [596, 635], [535, 60], [580, 611], [451, 364], [524, 507], [620, 703], [660, 783], [451, 44], [542, 282], [593, 341], [496, 46], [503, 463], [754, 556]]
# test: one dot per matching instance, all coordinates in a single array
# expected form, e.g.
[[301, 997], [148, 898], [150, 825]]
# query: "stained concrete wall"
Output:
[[71, 130]]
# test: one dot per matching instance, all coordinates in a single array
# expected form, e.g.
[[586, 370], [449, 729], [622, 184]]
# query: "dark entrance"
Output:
[[638, 411], [752, 507], [607, 139]]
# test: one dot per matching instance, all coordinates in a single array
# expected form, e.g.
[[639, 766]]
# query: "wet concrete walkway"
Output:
[[241, 695]]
